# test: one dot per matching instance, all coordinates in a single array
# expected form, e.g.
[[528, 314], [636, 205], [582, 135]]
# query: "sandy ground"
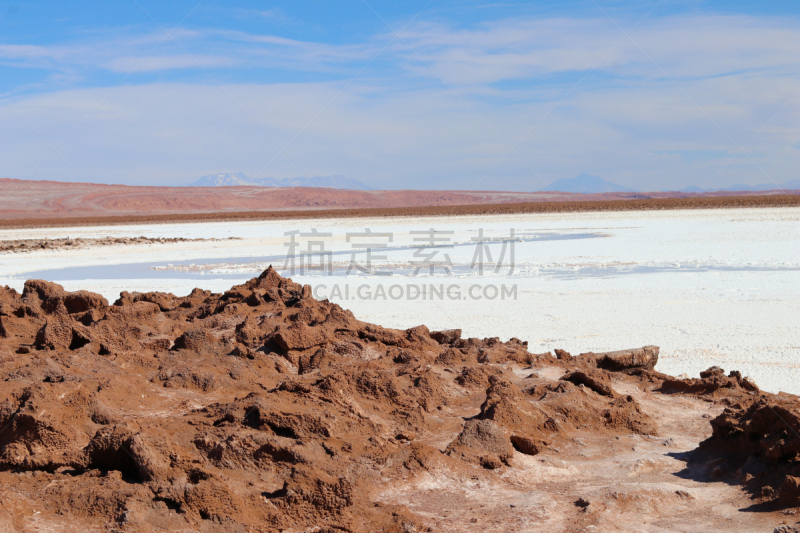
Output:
[[708, 286], [633, 483]]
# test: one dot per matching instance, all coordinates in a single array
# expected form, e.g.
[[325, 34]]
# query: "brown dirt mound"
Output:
[[262, 409], [712, 383], [759, 438]]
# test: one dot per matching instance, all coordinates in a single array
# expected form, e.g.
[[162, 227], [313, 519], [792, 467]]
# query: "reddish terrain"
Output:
[[31, 203], [263, 409]]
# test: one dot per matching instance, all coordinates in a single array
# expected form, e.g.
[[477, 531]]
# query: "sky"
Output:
[[432, 94]]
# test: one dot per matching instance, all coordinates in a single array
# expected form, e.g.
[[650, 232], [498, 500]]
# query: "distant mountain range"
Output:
[[789, 185], [588, 184], [239, 180], [585, 183]]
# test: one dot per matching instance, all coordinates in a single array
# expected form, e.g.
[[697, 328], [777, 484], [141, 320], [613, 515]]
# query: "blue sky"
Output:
[[440, 94]]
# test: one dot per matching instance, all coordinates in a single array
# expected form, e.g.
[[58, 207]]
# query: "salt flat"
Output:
[[711, 287]]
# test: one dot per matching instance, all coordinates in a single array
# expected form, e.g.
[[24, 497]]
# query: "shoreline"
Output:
[[646, 204]]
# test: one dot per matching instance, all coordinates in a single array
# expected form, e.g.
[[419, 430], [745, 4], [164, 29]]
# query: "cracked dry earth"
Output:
[[263, 409]]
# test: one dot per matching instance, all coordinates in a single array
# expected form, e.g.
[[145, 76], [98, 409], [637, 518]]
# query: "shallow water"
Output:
[[246, 267]]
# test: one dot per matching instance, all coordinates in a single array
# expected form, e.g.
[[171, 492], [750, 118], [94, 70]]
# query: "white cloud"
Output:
[[172, 133]]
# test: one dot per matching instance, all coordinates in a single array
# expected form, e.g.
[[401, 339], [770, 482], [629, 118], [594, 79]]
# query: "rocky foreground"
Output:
[[263, 409]]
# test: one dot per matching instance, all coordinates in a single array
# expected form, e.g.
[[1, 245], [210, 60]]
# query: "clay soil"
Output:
[[46, 204], [263, 409]]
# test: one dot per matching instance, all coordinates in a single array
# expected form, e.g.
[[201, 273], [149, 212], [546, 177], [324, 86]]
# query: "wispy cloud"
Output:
[[170, 62], [700, 46], [196, 49]]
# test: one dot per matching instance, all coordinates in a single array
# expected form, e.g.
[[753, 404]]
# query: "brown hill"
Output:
[[47, 200]]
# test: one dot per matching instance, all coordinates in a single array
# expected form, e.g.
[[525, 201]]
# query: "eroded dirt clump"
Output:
[[759, 439], [713, 383], [262, 409]]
